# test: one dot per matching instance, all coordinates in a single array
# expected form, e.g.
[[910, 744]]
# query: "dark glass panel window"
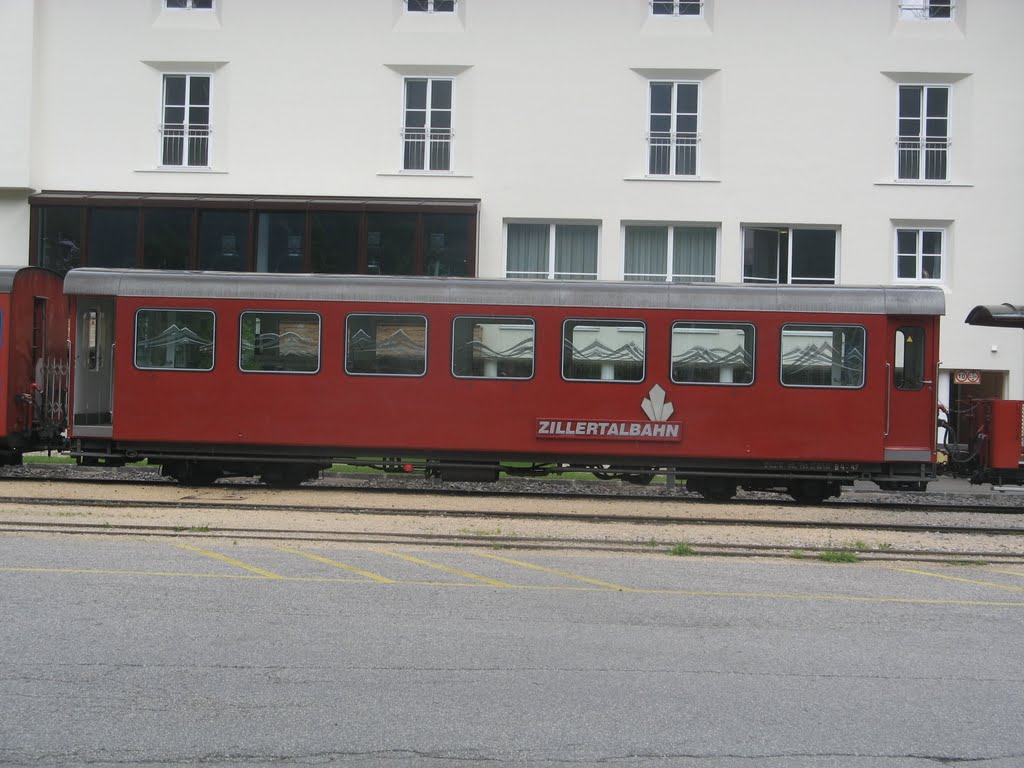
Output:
[[909, 370], [386, 345], [224, 240], [814, 256], [167, 238], [390, 243], [177, 339], [603, 350], [493, 347], [822, 356], [60, 238], [335, 242], [280, 342], [279, 242], [712, 353], [113, 233], [446, 244]]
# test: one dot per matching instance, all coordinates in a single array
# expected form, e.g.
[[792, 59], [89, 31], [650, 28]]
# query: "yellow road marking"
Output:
[[336, 564], [663, 592], [1008, 573], [238, 563], [456, 571], [958, 578], [555, 572]]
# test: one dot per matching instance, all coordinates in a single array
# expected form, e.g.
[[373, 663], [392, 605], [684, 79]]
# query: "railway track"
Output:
[[549, 489]]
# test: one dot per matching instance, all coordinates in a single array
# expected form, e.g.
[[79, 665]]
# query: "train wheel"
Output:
[[193, 472], [712, 488], [813, 491], [287, 476]]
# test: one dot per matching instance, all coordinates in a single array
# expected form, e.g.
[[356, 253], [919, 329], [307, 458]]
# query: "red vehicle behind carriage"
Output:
[[33, 361]]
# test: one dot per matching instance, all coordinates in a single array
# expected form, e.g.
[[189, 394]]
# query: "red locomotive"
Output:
[[800, 389], [33, 361]]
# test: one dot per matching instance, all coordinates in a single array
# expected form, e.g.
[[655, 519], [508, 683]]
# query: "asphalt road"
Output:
[[131, 651]]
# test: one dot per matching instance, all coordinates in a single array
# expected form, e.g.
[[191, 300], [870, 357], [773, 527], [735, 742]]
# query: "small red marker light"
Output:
[[407, 467]]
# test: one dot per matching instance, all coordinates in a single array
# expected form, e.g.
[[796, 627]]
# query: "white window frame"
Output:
[[670, 275], [789, 256], [921, 10], [919, 233], [203, 132], [189, 6], [443, 135], [675, 139], [677, 6], [919, 144], [552, 236], [431, 6]]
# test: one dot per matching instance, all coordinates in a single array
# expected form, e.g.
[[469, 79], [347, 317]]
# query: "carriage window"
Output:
[[493, 347], [93, 346], [279, 342], [712, 353], [909, 370], [176, 339], [603, 350], [823, 356], [386, 345]]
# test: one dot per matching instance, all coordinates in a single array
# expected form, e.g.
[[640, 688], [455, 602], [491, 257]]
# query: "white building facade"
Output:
[[801, 141]]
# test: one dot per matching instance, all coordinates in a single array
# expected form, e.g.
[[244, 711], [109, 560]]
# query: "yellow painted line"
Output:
[[556, 572], [958, 578], [231, 561], [336, 564], [656, 592], [1008, 573], [456, 571]]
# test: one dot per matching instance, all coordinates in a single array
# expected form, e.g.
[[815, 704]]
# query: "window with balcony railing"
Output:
[[927, 9], [922, 146], [677, 7], [427, 133], [185, 130], [673, 139], [202, 5]]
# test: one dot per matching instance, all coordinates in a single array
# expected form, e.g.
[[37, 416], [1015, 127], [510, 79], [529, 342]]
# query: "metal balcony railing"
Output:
[[187, 145], [922, 158], [672, 154], [427, 150]]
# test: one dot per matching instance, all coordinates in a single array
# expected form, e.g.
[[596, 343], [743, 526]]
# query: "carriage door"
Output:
[[94, 367], [910, 415], [38, 352]]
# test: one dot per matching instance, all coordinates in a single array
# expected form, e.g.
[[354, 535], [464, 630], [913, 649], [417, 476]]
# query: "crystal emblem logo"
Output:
[[654, 405]]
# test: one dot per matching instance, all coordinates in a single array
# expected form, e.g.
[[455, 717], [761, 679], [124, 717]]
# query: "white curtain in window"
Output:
[[646, 253], [527, 250], [693, 254], [576, 251]]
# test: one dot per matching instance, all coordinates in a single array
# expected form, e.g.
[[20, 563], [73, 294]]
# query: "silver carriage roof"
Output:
[[9, 273], [871, 300]]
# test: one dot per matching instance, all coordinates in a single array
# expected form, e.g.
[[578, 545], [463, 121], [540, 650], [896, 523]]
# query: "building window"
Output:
[[923, 142], [920, 254], [493, 347], [185, 130], [603, 350], [677, 7], [712, 353], [926, 9], [822, 356], [279, 239], [427, 134], [176, 339], [386, 345], [692, 250], [559, 251], [192, 5], [789, 255], [279, 342], [673, 137], [430, 6]]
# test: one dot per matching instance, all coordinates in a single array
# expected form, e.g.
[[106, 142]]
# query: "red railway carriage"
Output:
[[33, 361], [800, 389]]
